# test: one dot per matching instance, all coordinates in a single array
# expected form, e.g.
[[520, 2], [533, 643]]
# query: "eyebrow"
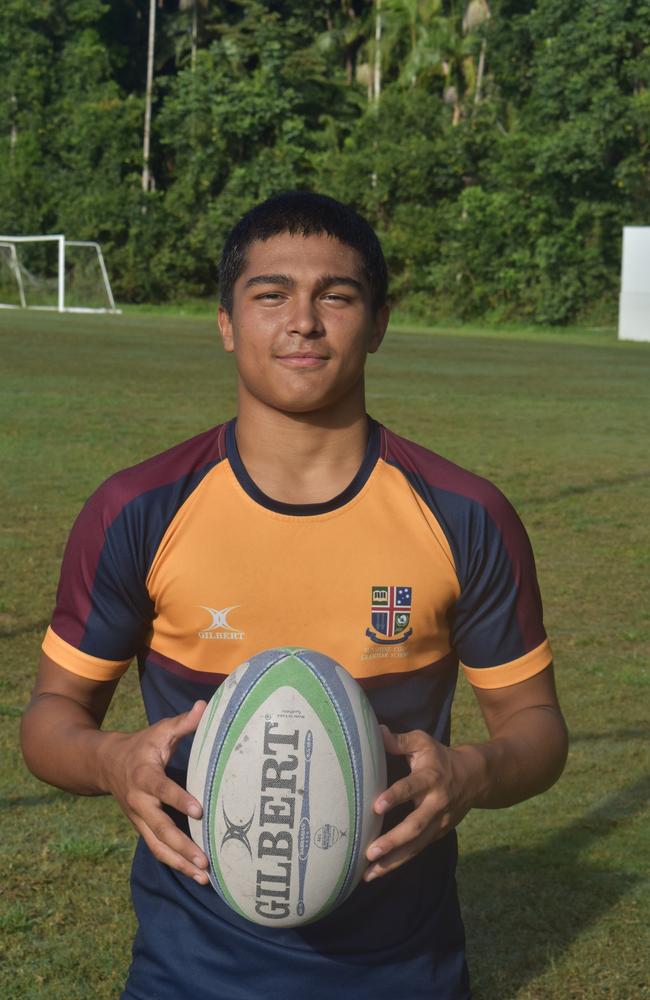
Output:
[[325, 281]]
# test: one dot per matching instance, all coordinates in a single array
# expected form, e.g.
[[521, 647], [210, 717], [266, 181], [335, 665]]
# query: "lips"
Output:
[[302, 360]]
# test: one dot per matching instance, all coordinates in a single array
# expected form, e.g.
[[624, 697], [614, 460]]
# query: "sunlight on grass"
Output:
[[554, 891]]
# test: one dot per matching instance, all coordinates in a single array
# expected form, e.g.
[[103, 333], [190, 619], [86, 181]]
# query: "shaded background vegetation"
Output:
[[498, 147]]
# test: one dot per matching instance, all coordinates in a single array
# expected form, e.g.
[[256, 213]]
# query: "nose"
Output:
[[304, 319]]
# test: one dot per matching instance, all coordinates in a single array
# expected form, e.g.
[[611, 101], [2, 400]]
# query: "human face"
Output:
[[302, 323]]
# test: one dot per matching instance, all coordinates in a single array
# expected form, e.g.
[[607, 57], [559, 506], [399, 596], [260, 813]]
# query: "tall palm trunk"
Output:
[[195, 32], [377, 68], [480, 73], [13, 135], [147, 180]]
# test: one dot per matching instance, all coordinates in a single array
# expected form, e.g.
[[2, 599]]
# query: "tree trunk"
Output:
[[349, 67], [146, 173], [195, 32], [480, 72], [377, 72], [13, 135]]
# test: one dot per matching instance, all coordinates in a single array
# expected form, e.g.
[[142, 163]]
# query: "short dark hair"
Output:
[[302, 213]]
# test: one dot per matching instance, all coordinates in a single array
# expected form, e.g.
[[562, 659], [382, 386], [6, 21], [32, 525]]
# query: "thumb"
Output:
[[404, 743], [185, 723], [390, 740]]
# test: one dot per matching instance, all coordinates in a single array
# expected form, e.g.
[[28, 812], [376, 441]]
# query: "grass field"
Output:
[[555, 891]]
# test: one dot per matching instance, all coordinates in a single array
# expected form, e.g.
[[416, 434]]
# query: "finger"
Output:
[[427, 819], [172, 848], [178, 798], [397, 857], [407, 789], [150, 814], [406, 840], [151, 780]]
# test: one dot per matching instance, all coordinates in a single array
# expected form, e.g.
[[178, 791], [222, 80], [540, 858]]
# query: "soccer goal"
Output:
[[51, 272]]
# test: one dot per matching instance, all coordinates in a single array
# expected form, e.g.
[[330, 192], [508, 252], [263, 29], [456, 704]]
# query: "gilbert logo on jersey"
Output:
[[391, 612], [219, 627]]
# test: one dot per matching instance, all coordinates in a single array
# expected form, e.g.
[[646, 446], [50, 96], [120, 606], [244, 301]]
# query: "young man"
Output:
[[303, 523]]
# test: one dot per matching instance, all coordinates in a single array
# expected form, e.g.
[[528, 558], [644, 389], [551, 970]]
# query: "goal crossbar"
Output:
[[8, 242]]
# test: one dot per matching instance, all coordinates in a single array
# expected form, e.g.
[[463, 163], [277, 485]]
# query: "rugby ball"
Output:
[[287, 761]]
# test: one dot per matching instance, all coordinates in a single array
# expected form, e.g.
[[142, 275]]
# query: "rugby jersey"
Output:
[[417, 566]]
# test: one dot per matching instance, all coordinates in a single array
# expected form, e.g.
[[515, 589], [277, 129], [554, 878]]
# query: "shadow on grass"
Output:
[[524, 907], [578, 489], [609, 735], [15, 630], [44, 799]]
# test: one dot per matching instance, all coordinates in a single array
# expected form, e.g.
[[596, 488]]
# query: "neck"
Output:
[[302, 458]]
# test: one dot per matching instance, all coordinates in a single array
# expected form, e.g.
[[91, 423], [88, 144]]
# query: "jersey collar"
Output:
[[305, 509]]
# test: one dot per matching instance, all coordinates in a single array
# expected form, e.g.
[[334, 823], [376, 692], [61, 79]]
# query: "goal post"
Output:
[[66, 284], [102, 267], [14, 269]]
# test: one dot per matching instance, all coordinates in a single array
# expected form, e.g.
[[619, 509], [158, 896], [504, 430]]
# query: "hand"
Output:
[[437, 786], [134, 768]]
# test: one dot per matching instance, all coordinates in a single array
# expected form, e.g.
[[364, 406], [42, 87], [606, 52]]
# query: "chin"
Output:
[[292, 400], [302, 407]]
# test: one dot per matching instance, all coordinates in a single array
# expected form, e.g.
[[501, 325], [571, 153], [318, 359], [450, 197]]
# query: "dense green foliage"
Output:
[[498, 147]]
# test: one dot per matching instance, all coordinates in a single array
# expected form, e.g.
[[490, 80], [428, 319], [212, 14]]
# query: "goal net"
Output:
[[50, 272]]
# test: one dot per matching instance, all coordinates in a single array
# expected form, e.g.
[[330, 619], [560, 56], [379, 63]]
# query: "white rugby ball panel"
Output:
[[200, 756], [211, 730], [277, 813], [253, 700], [287, 762]]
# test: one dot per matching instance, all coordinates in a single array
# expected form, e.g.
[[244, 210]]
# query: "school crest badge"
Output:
[[390, 613]]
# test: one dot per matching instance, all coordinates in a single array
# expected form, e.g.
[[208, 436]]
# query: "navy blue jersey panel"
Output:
[[121, 609], [106, 539], [166, 695], [498, 616], [400, 936], [421, 700]]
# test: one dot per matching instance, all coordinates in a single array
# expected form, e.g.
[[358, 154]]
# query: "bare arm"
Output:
[[524, 756], [63, 744], [528, 747]]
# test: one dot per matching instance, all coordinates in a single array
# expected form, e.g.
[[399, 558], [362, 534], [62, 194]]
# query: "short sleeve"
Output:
[[497, 623], [103, 611]]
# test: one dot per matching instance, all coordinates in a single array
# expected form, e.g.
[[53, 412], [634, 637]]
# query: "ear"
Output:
[[225, 329], [380, 324]]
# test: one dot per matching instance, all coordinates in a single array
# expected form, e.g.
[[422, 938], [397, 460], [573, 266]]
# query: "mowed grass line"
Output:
[[554, 891]]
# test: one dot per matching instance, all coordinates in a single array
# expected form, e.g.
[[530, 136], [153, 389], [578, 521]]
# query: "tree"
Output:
[[510, 145], [147, 180]]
